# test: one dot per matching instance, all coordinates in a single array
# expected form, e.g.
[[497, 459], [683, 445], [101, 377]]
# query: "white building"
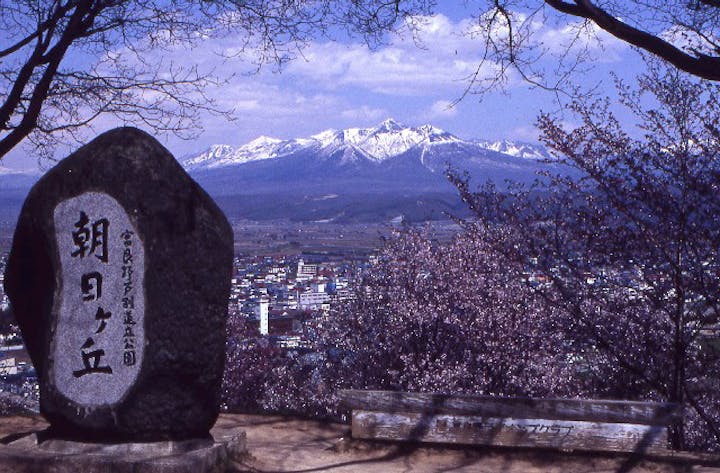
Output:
[[263, 313], [312, 300], [305, 272], [319, 286], [8, 367]]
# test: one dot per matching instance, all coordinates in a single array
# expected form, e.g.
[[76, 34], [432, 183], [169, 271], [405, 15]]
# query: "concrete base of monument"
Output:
[[31, 453]]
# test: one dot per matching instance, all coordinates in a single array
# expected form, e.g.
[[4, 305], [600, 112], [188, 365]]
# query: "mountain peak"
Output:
[[390, 124], [263, 140]]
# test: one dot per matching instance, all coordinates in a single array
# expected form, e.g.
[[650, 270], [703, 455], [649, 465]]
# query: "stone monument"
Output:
[[119, 277]]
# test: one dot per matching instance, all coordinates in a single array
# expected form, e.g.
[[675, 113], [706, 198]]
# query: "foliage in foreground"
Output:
[[631, 248]]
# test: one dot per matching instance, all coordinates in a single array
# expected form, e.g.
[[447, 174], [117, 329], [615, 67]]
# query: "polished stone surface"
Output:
[[100, 335]]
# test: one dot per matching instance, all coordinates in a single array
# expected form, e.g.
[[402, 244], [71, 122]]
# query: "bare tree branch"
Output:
[[685, 34], [48, 99], [701, 65]]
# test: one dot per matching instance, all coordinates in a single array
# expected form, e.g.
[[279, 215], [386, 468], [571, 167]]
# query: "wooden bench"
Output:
[[565, 424]]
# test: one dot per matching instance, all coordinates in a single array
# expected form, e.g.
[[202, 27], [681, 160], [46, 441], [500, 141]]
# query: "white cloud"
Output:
[[364, 114], [442, 55], [441, 109], [436, 55], [439, 56], [525, 133]]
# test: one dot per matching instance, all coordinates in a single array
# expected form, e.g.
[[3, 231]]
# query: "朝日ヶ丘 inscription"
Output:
[[99, 336]]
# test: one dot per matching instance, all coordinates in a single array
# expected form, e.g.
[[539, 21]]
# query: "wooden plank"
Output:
[[509, 432], [630, 412]]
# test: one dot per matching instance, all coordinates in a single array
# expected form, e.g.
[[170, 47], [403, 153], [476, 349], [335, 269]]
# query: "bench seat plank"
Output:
[[508, 432]]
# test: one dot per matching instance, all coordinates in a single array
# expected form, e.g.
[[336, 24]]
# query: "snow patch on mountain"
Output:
[[516, 149], [391, 139], [384, 141], [381, 142], [263, 147]]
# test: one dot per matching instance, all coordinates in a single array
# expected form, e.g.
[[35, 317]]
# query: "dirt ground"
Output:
[[278, 444], [281, 444]]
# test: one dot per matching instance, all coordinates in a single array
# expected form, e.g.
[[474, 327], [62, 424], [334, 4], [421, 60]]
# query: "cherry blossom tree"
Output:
[[249, 364], [445, 318], [630, 248]]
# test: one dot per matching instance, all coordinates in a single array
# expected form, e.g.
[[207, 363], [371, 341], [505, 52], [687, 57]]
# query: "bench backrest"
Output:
[[567, 424]]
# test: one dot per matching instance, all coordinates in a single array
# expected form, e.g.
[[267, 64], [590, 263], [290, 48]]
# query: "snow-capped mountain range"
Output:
[[358, 174], [382, 142], [382, 173]]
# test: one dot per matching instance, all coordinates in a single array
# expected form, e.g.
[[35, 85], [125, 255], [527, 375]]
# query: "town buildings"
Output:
[[278, 295]]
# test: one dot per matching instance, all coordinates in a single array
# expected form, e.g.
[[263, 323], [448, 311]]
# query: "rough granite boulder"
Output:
[[119, 277]]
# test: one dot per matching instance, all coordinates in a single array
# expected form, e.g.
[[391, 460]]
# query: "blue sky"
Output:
[[345, 83]]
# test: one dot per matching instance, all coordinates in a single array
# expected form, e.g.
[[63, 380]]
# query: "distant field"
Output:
[[330, 239], [346, 208], [288, 238]]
